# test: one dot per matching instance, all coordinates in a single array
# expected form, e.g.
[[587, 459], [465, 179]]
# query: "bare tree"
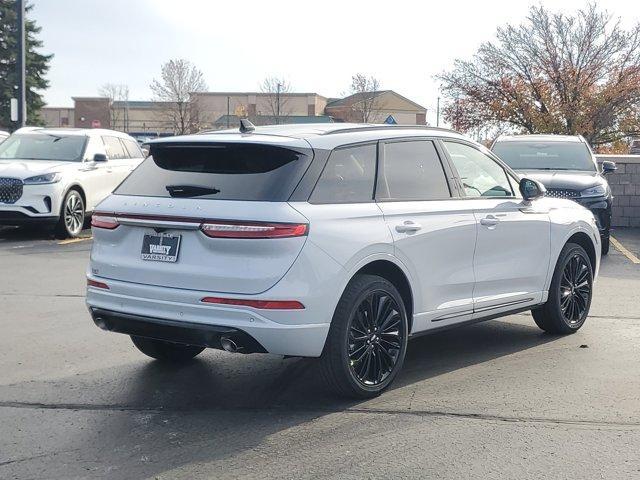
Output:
[[179, 79], [575, 74], [116, 92], [365, 91], [276, 89]]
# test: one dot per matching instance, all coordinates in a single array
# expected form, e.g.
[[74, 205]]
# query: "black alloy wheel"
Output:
[[367, 340], [575, 289], [375, 338], [570, 293]]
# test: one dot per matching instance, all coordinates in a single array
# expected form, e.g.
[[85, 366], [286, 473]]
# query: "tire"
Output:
[[166, 351], [570, 293], [72, 216], [605, 245], [367, 340]]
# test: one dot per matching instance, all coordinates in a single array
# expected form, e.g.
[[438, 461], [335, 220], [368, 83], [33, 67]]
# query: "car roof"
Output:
[[318, 135], [72, 131], [540, 138]]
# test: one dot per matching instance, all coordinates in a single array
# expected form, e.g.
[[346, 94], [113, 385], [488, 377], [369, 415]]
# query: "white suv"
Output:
[[57, 175], [334, 241]]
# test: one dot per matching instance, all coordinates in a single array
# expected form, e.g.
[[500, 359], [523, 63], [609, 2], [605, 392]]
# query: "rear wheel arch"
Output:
[[394, 274]]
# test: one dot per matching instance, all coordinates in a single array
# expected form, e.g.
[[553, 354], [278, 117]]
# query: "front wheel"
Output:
[[166, 351], [367, 341], [71, 215], [570, 293]]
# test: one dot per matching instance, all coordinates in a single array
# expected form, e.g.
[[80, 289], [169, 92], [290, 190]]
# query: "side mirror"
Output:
[[531, 189], [608, 167], [99, 157]]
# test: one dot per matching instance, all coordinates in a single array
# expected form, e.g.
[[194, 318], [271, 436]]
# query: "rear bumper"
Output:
[[178, 315], [174, 331]]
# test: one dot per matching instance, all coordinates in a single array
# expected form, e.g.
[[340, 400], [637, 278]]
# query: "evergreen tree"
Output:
[[37, 66]]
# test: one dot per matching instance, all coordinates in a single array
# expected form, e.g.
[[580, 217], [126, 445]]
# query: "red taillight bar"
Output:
[[260, 304], [223, 229], [211, 228], [106, 221], [93, 283]]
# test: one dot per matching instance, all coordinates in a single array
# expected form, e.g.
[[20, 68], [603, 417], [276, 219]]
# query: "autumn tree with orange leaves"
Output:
[[554, 73]]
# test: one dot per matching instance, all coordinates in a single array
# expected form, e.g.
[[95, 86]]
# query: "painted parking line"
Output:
[[74, 240], [623, 250]]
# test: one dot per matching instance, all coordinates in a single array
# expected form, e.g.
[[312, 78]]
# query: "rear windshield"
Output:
[[218, 171], [522, 155]]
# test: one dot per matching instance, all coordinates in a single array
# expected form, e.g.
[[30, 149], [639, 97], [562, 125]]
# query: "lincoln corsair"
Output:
[[335, 241], [54, 176], [567, 167]]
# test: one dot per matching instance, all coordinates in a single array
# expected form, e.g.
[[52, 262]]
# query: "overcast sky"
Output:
[[316, 45]]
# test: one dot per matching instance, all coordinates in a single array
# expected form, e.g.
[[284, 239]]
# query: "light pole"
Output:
[[21, 66], [278, 103], [438, 113], [228, 100]]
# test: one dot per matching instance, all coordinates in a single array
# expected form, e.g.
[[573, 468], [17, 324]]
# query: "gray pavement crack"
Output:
[[347, 410]]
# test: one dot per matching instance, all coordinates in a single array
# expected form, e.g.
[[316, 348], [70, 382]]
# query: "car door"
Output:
[[513, 236], [119, 162], [434, 233], [91, 174]]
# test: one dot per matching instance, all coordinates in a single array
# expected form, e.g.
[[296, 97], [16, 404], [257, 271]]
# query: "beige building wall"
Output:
[[151, 118], [212, 106]]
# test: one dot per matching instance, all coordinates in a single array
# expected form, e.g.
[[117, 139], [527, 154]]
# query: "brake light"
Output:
[[108, 222], [253, 229], [260, 304], [93, 283]]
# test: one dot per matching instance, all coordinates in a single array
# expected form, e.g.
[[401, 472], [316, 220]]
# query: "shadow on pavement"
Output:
[[221, 404]]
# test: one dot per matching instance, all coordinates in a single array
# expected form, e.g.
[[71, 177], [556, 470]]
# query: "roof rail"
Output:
[[387, 127]]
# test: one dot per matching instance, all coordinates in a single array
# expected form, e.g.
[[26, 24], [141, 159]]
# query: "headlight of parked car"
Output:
[[42, 179], [597, 191]]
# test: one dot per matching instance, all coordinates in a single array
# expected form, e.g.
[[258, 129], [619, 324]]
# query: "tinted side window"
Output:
[[114, 148], [347, 177], [411, 171], [132, 148], [481, 175]]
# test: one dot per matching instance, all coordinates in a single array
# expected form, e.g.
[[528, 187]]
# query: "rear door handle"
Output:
[[408, 227], [489, 221]]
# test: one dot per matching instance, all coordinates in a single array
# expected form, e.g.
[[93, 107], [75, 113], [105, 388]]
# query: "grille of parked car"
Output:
[[562, 193], [10, 190]]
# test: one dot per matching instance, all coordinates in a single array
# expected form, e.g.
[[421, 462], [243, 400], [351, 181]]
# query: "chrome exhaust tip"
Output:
[[229, 345]]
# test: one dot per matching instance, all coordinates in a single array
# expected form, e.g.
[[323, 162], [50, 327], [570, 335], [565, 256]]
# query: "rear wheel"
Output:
[[570, 293], [71, 215], [367, 341], [166, 351]]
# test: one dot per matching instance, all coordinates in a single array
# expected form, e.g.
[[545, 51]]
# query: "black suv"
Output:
[[568, 169]]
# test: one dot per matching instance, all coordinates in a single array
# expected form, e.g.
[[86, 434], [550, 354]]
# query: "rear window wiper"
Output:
[[190, 191]]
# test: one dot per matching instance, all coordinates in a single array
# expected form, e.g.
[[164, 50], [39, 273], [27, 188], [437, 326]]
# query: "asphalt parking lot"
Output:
[[494, 400]]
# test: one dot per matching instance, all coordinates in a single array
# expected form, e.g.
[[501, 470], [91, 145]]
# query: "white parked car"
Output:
[[334, 241], [58, 175], [3, 135]]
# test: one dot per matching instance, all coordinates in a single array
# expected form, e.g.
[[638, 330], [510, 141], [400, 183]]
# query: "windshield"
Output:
[[43, 146], [545, 155]]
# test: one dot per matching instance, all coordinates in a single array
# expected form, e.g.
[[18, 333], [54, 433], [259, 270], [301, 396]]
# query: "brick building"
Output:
[[217, 109]]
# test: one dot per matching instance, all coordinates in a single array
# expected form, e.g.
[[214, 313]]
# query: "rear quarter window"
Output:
[[348, 176], [218, 171]]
